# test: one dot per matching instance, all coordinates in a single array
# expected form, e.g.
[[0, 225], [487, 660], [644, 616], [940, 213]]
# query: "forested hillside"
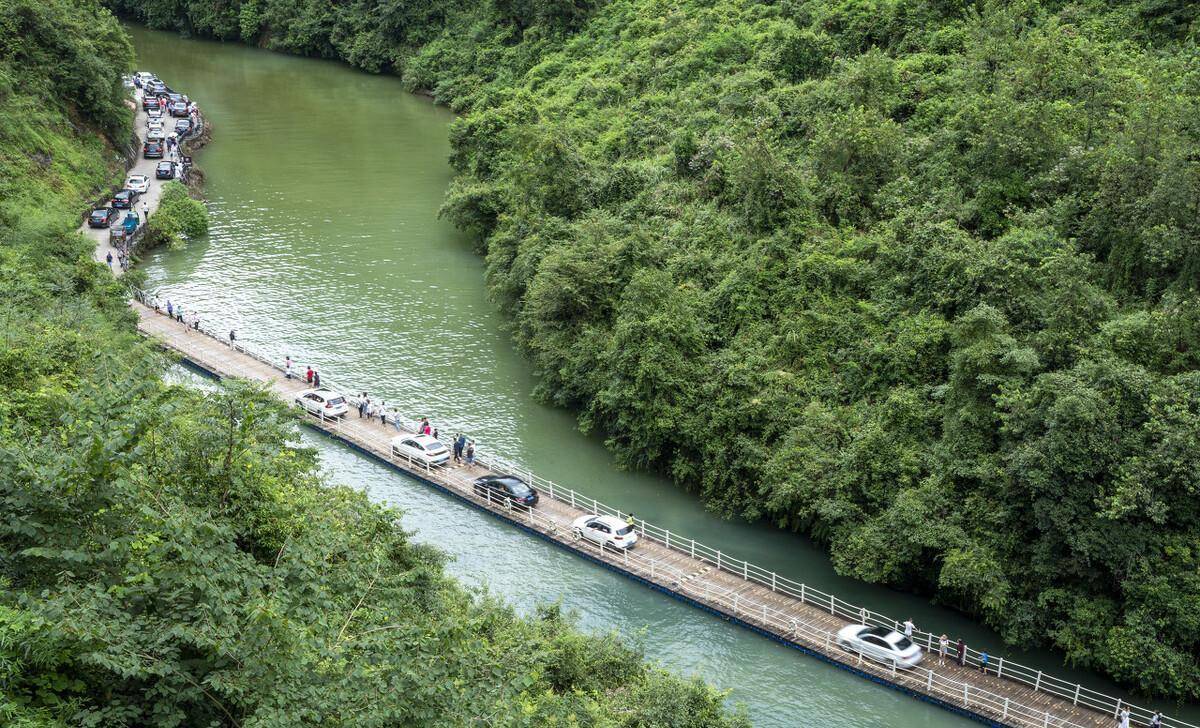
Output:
[[174, 558], [917, 277]]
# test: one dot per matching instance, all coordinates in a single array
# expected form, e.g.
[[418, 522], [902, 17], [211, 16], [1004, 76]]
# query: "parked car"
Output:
[[152, 149], [178, 108], [102, 217], [124, 199], [605, 530], [139, 183], [500, 488], [182, 127], [130, 222], [155, 127], [880, 644], [422, 449], [322, 402], [164, 170], [154, 113], [149, 102]]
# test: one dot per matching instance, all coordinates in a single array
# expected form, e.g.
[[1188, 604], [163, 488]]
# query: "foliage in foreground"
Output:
[[915, 277], [173, 558]]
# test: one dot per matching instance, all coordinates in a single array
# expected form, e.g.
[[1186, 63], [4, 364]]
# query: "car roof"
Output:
[[426, 439], [612, 521]]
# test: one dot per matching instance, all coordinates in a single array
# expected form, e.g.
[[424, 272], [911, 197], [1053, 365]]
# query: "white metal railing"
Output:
[[941, 685]]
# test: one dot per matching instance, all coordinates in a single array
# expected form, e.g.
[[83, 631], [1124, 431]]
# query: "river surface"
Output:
[[323, 186]]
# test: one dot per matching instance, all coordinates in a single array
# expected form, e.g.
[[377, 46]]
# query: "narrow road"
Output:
[[151, 197]]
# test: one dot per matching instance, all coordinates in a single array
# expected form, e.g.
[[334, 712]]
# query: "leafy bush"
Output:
[[178, 217]]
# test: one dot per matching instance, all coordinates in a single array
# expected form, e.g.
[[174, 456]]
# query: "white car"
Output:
[[139, 183], [153, 113], [605, 530], [154, 126], [880, 644], [322, 402], [421, 448]]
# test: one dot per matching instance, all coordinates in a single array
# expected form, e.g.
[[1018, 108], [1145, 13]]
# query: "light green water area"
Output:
[[323, 185]]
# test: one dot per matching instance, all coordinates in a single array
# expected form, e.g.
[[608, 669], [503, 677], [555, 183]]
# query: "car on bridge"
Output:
[[164, 170], [152, 149], [103, 217], [505, 488], [323, 403], [880, 644], [154, 113], [154, 127], [605, 531], [139, 183], [422, 449]]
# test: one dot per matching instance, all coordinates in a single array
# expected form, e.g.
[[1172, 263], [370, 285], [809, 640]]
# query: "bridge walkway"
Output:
[[804, 622]]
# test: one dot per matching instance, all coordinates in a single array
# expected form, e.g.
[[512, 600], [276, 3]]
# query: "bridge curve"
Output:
[[789, 612]]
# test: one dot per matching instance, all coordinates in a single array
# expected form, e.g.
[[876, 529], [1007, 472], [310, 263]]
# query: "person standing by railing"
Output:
[[962, 652], [1156, 720], [287, 367], [1123, 718], [316, 379], [984, 658], [943, 648], [908, 628], [308, 375]]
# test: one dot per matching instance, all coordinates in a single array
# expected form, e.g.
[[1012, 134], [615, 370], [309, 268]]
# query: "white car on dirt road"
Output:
[[880, 644], [323, 403], [605, 531], [139, 183]]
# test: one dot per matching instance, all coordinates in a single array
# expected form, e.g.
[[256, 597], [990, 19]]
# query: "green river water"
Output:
[[324, 185]]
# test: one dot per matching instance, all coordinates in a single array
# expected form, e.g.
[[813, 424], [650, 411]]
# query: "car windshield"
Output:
[[337, 400]]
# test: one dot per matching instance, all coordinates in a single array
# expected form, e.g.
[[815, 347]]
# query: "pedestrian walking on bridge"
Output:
[[287, 367], [317, 380], [308, 376], [1123, 718], [471, 454], [962, 652], [458, 447], [108, 258]]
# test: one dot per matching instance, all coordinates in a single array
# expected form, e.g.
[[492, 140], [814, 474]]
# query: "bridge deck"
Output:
[[985, 697]]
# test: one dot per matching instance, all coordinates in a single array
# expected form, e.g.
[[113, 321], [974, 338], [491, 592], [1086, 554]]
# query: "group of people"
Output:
[[189, 319]]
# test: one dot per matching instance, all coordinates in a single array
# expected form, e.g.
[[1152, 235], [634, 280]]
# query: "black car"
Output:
[[103, 217], [499, 488], [165, 170], [152, 150], [178, 108], [124, 199], [182, 127], [149, 101]]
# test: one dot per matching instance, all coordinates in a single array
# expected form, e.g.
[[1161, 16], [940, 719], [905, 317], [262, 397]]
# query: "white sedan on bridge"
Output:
[[880, 644], [324, 403], [421, 449], [605, 531]]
